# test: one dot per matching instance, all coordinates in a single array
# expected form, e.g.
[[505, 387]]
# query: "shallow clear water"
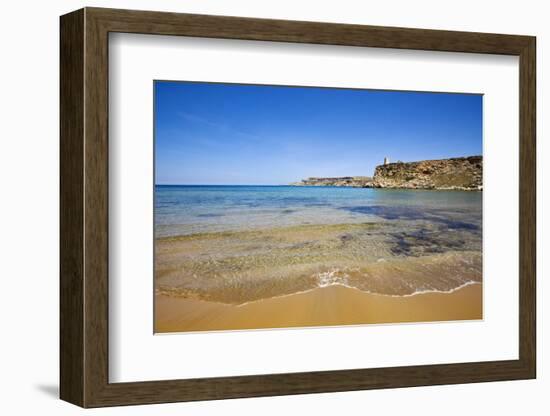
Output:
[[236, 244], [183, 210]]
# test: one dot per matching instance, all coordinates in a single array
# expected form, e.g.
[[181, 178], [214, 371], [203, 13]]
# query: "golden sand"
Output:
[[328, 306]]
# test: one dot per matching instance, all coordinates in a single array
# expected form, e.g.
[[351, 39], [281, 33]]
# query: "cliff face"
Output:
[[463, 173], [457, 173]]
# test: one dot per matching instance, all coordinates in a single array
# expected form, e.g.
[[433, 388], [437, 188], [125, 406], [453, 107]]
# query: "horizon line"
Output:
[[221, 184]]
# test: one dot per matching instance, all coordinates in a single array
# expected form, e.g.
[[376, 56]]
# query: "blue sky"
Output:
[[269, 135]]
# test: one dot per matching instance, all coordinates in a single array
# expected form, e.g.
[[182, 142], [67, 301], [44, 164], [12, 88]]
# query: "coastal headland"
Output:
[[459, 173]]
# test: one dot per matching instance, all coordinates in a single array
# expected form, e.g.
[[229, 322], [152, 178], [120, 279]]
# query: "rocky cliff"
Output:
[[353, 181], [462, 173], [457, 173]]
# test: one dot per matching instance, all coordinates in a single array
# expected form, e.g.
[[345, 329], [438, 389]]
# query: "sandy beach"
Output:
[[301, 257], [327, 306], [361, 207]]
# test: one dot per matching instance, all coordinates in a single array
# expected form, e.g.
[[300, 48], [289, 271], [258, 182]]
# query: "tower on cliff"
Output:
[[386, 160]]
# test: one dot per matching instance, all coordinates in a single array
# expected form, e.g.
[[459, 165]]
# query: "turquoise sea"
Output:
[[237, 244], [190, 209]]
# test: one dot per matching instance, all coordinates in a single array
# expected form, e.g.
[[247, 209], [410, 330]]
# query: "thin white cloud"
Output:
[[221, 127]]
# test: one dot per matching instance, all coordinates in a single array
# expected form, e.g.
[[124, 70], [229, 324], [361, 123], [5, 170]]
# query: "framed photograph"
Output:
[[255, 207]]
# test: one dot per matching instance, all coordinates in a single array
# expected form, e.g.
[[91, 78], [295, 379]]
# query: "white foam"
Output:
[[332, 278], [422, 292]]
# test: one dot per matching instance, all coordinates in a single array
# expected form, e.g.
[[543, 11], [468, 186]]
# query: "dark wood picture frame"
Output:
[[84, 207]]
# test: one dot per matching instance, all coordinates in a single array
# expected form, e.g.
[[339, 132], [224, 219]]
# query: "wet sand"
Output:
[[327, 306]]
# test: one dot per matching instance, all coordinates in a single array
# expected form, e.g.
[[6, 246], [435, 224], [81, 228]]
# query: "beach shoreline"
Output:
[[334, 305], [236, 267], [283, 257]]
